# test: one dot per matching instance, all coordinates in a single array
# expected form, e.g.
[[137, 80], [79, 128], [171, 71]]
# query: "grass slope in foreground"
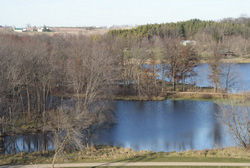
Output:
[[119, 154]]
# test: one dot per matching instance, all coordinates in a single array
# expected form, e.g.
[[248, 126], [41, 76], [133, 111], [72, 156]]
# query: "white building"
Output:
[[40, 29], [188, 42], [19, 29]]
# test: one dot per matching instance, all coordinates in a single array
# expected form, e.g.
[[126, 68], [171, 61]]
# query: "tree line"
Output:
[[232, 34], [187, 29]]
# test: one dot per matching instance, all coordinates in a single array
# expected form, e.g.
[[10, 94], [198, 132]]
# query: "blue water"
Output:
[[240, 73], [27, 143], [149, 125], [166, 126]]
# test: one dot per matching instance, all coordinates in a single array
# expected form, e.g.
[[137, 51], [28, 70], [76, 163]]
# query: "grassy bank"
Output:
[[23, 126], [205, 95], [118, 154], [186, 95], [237, 60], [138, 98]]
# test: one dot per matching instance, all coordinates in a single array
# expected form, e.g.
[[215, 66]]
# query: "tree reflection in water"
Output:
[[153, 125], [27, 143]]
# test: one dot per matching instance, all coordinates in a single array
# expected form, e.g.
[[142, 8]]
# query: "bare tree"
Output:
[[229, 76], [64, 123], [236, 118], [188, 61], [92, 74], [215, 66], [181, 61], [171, 56]]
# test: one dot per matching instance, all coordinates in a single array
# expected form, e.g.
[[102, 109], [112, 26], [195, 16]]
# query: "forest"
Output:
[[232, 34]]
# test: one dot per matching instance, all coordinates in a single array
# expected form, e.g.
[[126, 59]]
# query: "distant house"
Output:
[[19, 29], [227, 53], [43, 29], [188, 42], [40, 29]]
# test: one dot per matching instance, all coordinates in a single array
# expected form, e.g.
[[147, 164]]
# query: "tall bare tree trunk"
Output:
[[28, 102]]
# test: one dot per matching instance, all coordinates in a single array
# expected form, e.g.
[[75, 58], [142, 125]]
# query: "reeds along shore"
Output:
[[186, 95]]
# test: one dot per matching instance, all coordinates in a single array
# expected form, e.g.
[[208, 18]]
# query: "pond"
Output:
[[166, 126], [240, 73], [27, 143], [151, 125]]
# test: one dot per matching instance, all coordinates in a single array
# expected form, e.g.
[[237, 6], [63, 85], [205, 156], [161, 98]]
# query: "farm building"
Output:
[[19, 29]]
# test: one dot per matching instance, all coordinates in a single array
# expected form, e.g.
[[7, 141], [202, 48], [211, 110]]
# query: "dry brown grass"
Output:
[[228, 60], [109, 153], [204, 95], [236, 60], [183, 95], [232, 152], [138, 98], [87, 32]]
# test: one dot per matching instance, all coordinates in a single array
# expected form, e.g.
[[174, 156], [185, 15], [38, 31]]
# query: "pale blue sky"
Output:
[[115, 12]]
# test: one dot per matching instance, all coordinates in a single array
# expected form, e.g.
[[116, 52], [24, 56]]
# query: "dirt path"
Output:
[[143, 164]]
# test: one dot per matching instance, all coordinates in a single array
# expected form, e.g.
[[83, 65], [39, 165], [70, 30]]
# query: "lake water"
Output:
[[166, 126], [241, 73], [27, 143], [151, 125]]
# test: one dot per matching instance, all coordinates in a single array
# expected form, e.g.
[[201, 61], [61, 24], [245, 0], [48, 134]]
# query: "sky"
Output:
[[98, 13]]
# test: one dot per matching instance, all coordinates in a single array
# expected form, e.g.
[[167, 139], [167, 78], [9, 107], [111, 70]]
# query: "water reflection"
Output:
[[166, 126], [152, 125], [27, 143], [241, 74]]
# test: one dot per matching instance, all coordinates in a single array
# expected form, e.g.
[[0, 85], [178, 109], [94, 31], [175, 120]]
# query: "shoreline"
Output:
[[233, 60], [185, 95], [228, 60], [238, 99]]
